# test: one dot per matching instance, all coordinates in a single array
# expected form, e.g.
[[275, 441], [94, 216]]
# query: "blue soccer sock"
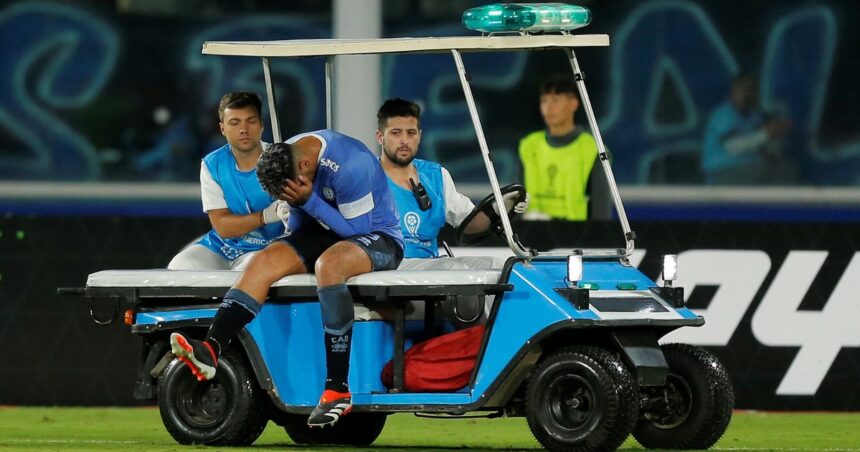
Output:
[[236, 310], [337, 349], [338, 317]]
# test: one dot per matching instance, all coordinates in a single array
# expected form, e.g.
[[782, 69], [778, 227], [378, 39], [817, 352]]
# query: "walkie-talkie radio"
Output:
[[420, 194]]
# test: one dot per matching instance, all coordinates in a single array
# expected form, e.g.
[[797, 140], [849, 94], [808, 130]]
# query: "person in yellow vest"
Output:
[[557, 162]]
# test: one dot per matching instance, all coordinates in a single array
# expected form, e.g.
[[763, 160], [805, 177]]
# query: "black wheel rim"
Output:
[[202, 404], [571, 404], [672, 404]]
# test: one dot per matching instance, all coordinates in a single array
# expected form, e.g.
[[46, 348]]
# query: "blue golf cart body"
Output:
[[570, 342]]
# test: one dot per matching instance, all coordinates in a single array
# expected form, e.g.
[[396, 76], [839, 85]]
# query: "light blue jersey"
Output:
[[350, 191], [421, 227], [244, 195], [724, 123]]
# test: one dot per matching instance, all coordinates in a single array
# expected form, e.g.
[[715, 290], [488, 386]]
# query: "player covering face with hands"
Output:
[[340, 222]]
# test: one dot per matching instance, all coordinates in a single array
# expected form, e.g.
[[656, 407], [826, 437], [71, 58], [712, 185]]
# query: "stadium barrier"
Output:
[[779, 299]]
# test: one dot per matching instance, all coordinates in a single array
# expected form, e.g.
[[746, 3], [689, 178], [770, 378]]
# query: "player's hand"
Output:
[[297, 192]]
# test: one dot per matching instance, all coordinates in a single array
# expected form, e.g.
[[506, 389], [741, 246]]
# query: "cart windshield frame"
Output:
[[456, 45]]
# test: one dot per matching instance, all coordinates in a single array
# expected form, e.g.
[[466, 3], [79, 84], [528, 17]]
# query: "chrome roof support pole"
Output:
[[329, 85], [270, 94], [579, 78], [515, 246]]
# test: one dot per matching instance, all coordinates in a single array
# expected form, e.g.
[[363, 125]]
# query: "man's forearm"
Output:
[[230, 225], [332, 218]]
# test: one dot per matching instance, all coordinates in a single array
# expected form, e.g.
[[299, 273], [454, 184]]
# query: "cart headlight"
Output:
[[574, 268], [670, 268], [526, 17]]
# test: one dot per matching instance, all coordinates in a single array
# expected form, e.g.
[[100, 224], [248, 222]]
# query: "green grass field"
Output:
[[140, 429]]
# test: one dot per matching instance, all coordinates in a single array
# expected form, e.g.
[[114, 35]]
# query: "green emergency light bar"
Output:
[[526, 17]]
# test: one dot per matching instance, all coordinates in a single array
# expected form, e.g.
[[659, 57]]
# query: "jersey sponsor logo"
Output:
[[416, 241], [253, 238], [339, 344], [257, 239], [412, 221], [367, 239], [328, 193], [329, 164]]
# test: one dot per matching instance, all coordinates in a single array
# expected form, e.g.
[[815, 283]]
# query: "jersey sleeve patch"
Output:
[[356, 208]]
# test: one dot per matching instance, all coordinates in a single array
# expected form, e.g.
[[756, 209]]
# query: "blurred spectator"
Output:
[[744, 145], [560, 164], [169, 158]]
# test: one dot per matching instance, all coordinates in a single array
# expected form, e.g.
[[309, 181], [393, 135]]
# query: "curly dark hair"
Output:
[[275, 166]]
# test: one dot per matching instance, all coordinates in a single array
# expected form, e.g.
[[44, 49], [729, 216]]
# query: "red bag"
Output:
[[442, 363]]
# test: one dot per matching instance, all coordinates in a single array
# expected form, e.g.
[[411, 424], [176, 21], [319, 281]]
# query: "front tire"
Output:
[[574, 403], [628, 391], [229, 410], [693, 409]]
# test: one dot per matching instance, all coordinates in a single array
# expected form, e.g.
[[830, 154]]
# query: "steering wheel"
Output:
[[486, 206]]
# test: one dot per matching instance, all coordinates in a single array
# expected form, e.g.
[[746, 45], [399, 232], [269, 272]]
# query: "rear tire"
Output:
[[693, 409], [355, 429], [297, 429], [229, 410]]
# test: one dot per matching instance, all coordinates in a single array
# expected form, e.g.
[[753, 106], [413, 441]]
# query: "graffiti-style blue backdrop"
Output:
[[119, 91]]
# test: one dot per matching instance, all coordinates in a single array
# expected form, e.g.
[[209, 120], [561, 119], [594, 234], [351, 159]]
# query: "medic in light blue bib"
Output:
[[244, 195], [421, 227]]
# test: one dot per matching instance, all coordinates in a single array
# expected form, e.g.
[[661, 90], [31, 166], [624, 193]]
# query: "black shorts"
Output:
[[311, 241]]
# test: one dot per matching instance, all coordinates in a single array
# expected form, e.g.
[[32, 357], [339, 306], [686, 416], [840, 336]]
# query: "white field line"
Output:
[[97, 441], [69, 441], [782, 448]]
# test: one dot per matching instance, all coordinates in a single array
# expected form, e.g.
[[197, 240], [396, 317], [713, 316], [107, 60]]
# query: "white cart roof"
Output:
[[326, 47]]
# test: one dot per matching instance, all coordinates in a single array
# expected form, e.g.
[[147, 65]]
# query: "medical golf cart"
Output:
[[571, 340]]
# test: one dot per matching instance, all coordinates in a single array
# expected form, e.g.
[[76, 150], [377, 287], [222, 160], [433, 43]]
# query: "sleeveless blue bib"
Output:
[[421, 227], [244, 195]]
